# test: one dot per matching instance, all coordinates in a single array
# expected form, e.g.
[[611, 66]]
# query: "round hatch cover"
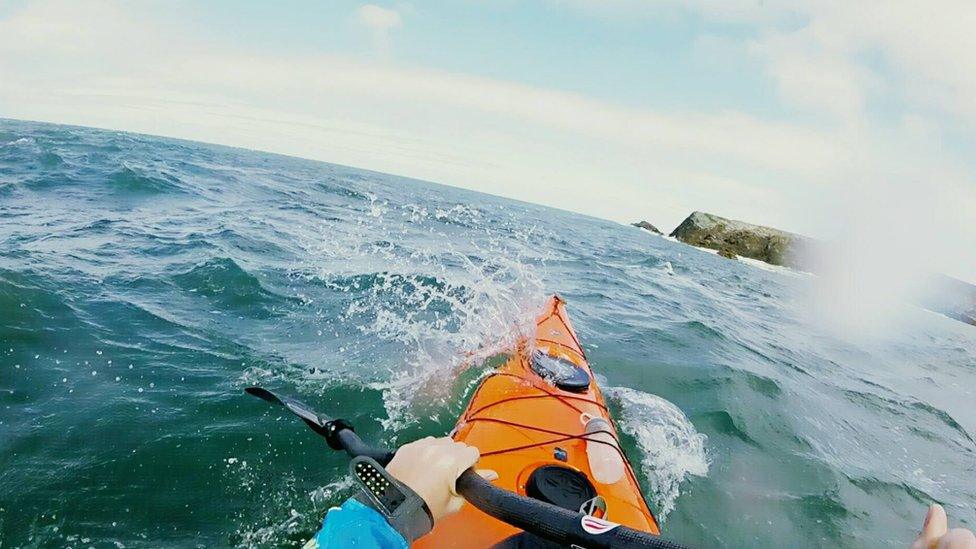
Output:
[[560, 486], [560, 372]]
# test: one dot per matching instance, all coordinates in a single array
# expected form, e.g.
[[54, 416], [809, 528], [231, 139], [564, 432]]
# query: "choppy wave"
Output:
[[228, 286], [671, 448], [133, 180], [145, 281]]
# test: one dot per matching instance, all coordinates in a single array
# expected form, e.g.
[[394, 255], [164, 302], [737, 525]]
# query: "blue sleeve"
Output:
[[356, 525]]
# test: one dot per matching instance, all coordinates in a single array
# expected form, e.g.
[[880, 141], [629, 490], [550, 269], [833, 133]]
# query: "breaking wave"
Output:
[[671, 448], [447, 306]]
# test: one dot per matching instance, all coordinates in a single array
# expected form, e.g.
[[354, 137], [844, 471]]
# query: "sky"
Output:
[[853, 122]]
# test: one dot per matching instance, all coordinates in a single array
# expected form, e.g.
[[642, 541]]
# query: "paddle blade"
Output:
[[263, 394], [314, 419]]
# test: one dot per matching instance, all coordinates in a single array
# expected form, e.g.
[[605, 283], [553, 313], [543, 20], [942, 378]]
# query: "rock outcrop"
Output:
[[737, 238], [730, 238], [727, 253], [646, 226]]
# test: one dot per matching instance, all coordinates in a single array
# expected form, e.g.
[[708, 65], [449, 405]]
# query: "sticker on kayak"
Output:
[[595, 525]]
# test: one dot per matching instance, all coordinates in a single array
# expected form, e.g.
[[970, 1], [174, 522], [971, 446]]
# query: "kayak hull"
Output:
[[521, 422]]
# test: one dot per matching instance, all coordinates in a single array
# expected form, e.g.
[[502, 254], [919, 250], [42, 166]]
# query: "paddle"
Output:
[[338, 433]]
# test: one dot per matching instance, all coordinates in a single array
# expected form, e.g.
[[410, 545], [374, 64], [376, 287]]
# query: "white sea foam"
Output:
[[328, 494], [755, 263], [491, 305], [671, 448], [446, 318], [21, 141], [288, 514]]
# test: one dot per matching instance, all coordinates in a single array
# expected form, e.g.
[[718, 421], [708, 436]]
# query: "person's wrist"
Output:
[[430, 467], [405, 478], [404, 510]]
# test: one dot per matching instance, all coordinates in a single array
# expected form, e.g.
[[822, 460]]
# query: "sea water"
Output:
[[144, 282]]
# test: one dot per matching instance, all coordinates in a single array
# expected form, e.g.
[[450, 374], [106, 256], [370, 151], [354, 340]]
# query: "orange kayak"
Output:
[[541, 422]]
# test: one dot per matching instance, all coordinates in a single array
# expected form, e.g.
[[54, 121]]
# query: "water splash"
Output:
[[671, 448], [291, 516], [447, 307], [447, 327]]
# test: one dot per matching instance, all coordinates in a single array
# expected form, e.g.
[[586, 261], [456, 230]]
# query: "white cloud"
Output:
[[376, 17], [734, 11], [380, 22], [810, 78], [536, 144], [830, 56], [823, 52]]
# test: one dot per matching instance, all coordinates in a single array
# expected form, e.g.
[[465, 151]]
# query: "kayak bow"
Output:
[[542, 423]]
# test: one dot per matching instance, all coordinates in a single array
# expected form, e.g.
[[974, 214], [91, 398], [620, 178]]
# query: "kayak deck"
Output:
[[520, 422]]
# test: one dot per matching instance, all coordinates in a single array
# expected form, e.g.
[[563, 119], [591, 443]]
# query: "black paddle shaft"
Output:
[[536, 517], [549, 521]]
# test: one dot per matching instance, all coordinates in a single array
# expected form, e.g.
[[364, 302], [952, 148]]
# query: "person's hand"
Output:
[[430, 467], [935, 533]]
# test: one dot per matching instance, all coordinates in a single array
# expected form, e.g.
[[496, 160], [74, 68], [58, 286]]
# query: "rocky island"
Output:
[[646, 226], [731, 238]]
